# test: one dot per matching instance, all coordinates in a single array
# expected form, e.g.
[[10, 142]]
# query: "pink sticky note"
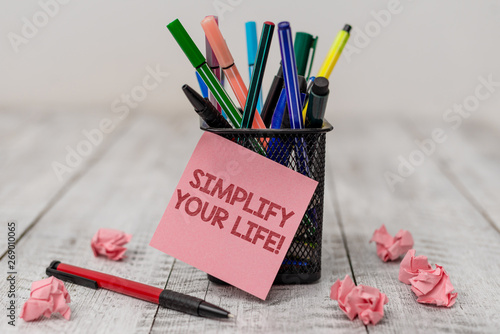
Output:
[[389, 248], [411, 265], [234, 214], [47, 296], [109, 242], [434, 287], [339, 292], [363, 301]]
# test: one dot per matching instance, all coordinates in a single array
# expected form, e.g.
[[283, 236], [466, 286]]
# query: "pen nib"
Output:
[[196, 99]]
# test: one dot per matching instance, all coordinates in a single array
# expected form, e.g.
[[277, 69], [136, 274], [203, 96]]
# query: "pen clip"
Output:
[[50, 271], [313, 47]]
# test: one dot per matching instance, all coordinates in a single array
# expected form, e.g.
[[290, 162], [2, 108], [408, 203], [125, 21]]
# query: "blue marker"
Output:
[[281, 107], [203, 86], [290, 76], [293, 97], [251, 31], [279, 111], [279, 149]]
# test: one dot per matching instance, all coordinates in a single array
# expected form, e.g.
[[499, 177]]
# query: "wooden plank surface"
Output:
[[445, 226], [128, 185], [29, 143], [126, 190], [470, 158]]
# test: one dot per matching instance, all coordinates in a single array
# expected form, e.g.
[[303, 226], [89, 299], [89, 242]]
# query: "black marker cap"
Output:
[[67, 277], [320, 86], [302, 84], [205, 109], [347, 28], [280, 72], [196, 99]]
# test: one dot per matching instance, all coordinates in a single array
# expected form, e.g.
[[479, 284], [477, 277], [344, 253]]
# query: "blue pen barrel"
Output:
[[303, 159], [278, 150], [304, 151]]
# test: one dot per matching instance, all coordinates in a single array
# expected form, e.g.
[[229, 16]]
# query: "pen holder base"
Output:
[[281, 279], [304, 151]]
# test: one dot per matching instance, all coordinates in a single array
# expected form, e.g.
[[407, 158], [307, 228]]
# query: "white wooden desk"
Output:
[[450, 204]]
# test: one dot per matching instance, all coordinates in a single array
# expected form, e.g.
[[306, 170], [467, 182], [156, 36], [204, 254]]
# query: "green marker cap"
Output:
[[302, 46], [186, 43]]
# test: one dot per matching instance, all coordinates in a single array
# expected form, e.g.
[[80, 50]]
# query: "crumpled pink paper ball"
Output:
[[411, 264], [109, 242], [433, 287], [47, 296], [363, 301], [391, 248]]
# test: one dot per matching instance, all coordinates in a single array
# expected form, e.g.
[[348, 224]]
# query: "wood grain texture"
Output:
[[128, 186], [29, 143], [445, 226], [127, 189], [470, 158]]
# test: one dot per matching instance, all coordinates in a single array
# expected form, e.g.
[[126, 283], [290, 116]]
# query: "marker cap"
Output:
[[320, 86], [196, 99], [186, 43], [284, 25], [302, 45], [217, 42], [302, 84], [251, 31]]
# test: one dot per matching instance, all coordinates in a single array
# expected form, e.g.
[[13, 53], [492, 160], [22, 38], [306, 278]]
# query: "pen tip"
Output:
[[230, 315], [347, 28], [196, 99]]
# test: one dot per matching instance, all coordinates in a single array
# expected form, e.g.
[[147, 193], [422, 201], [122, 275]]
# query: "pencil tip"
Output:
[[230, 315]]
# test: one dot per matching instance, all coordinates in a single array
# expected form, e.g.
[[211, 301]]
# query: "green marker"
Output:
[[302, 46], [258, 73], [200, 64]]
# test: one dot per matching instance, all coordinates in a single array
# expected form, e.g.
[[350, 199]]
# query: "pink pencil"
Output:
[[226, 62]]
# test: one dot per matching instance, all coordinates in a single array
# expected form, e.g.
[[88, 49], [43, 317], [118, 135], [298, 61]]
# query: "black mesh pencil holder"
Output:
[[303, 151]]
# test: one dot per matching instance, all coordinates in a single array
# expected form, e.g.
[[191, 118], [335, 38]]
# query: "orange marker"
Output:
[[226, 62]]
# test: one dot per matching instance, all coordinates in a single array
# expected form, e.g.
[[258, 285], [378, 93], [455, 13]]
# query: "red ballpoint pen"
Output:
[[166, 298]]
